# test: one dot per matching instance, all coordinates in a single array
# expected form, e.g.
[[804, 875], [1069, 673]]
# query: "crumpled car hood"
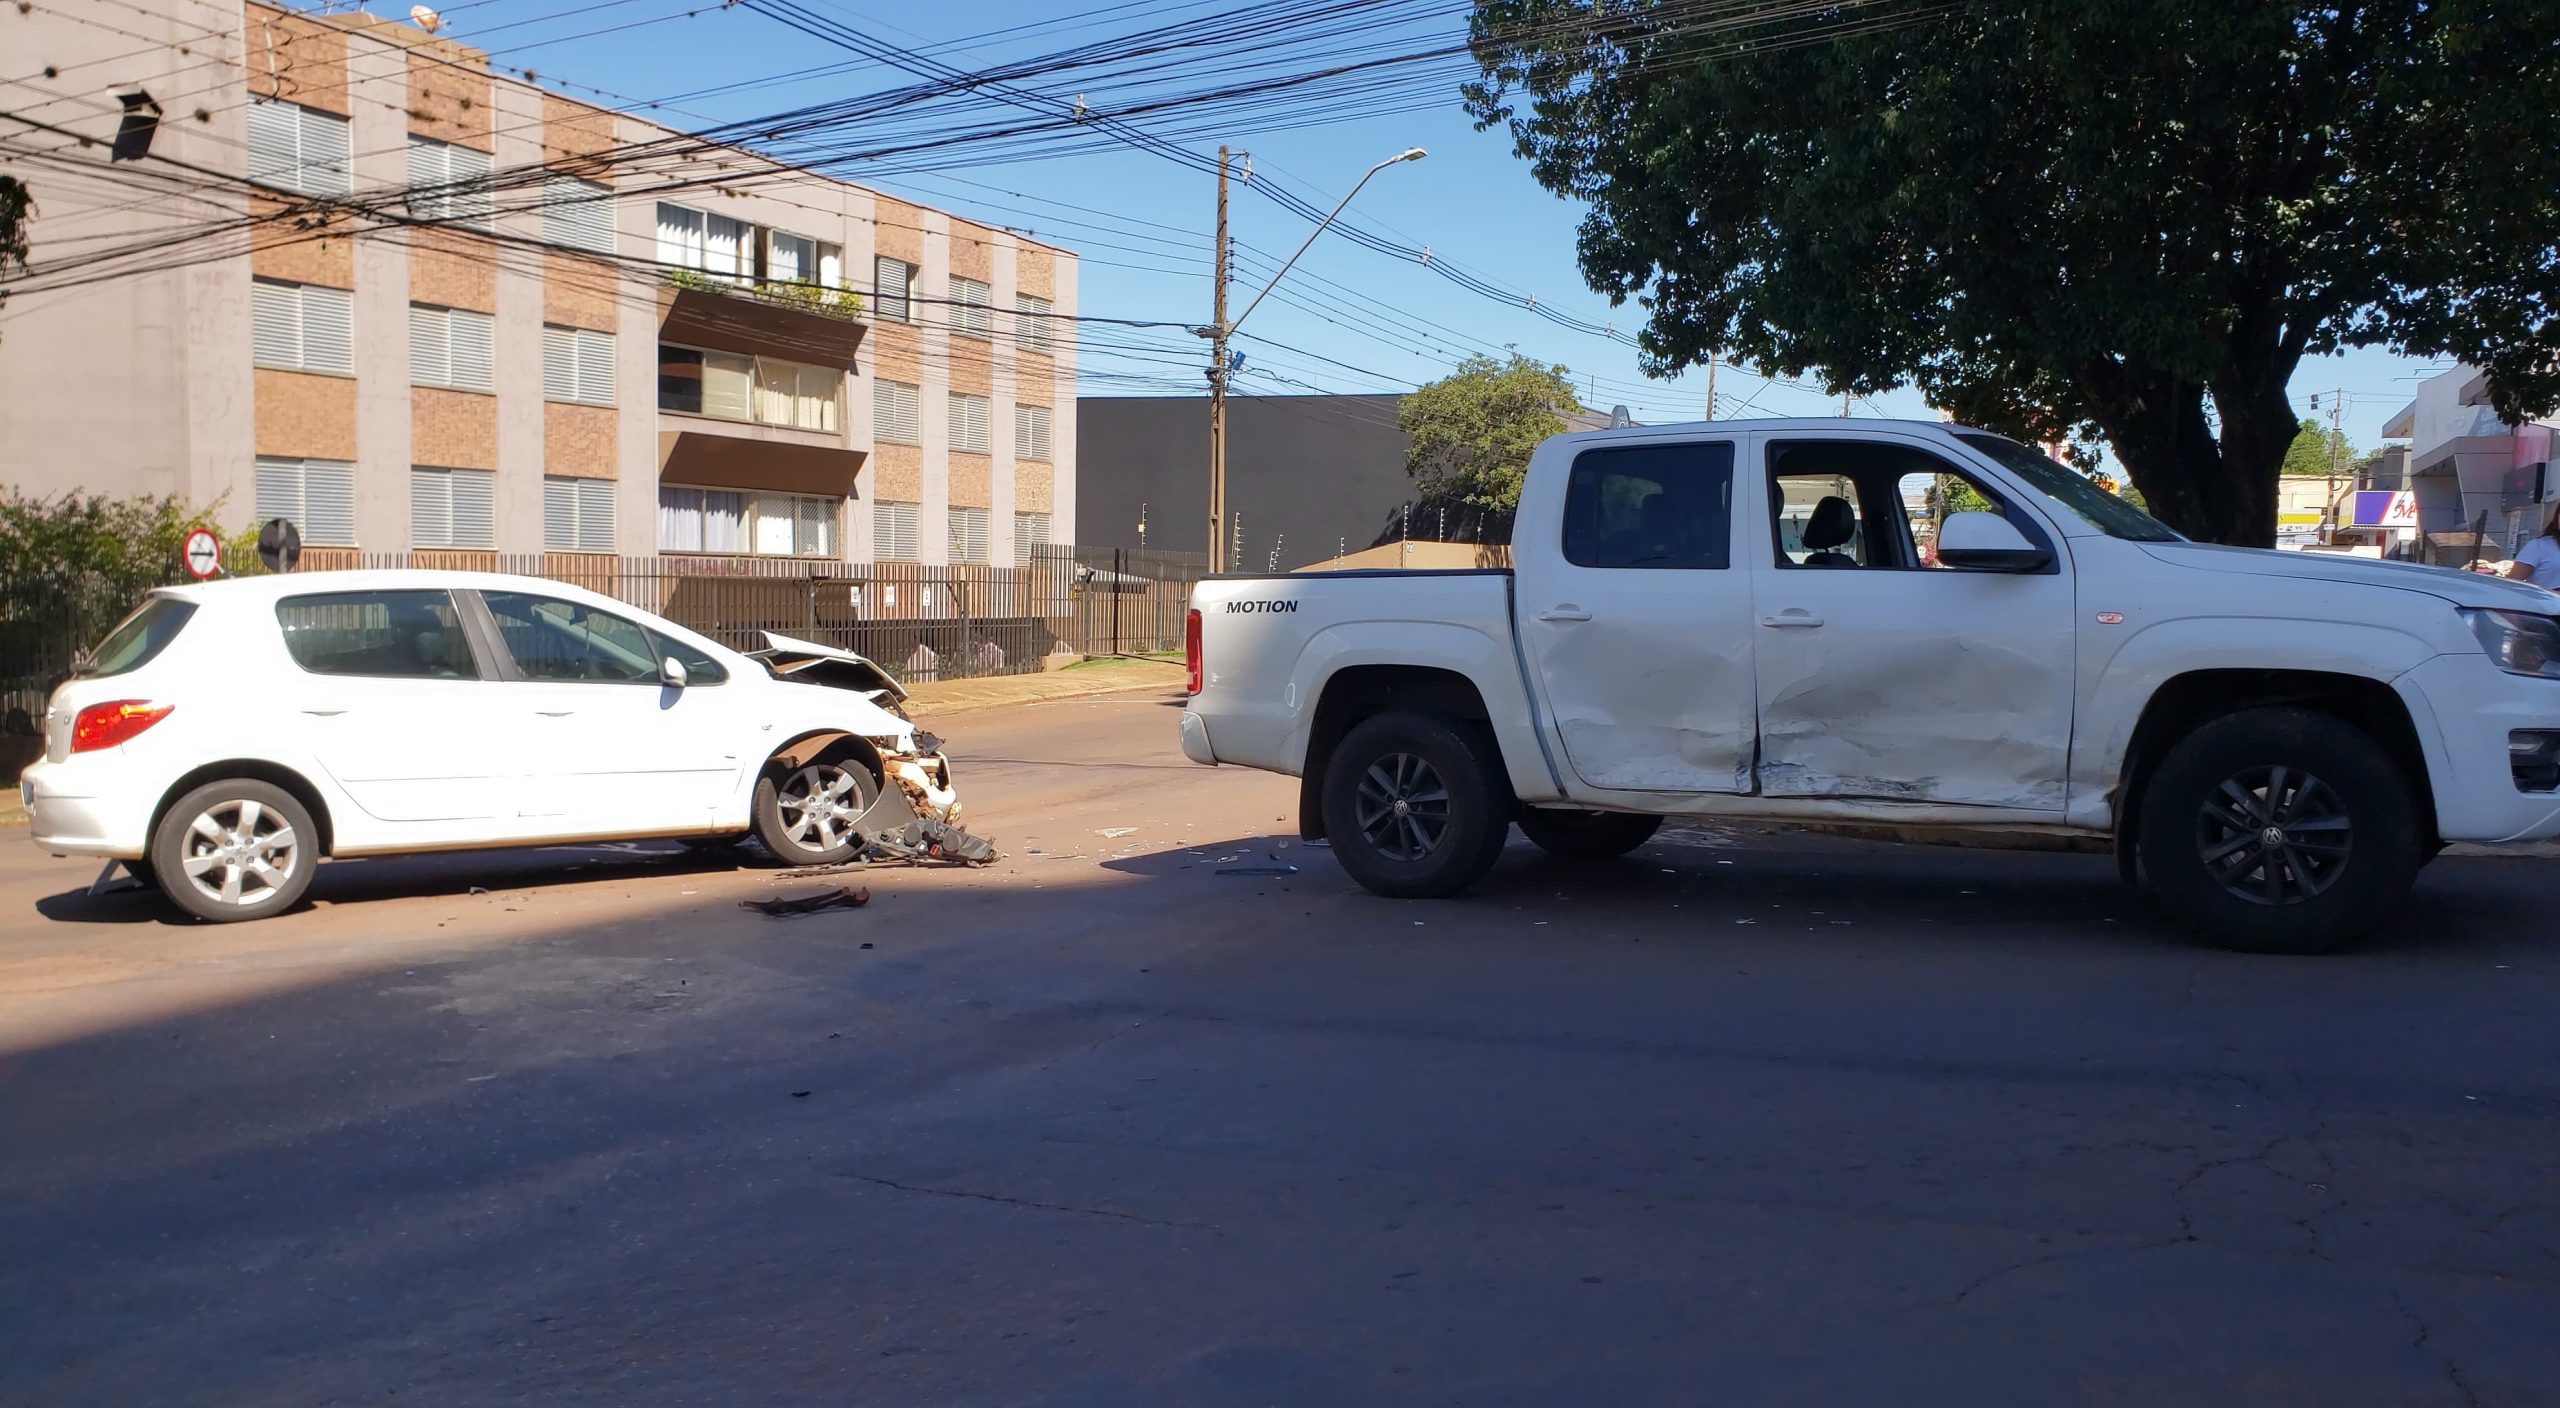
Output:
[[807, 661]]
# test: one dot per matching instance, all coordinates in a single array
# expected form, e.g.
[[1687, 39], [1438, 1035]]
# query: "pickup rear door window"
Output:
[[1665, 507]]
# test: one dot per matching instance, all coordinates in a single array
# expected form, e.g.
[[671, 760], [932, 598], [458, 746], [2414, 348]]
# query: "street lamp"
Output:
[[1221, 328]]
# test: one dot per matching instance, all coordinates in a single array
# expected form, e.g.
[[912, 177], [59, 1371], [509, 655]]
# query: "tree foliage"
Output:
[[2129, 216], [1473, 430], [2315, 449], [15, 211], [81, 548]]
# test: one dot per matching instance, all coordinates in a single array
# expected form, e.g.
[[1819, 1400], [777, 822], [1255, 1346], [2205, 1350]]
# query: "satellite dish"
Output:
[[279, 544], [425, 18]]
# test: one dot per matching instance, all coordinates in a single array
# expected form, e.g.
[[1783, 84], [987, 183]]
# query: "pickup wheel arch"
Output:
[[1352, 695], [2184, 703]]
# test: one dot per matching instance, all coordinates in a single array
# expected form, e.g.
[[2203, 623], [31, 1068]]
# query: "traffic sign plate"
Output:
[[202, 553]]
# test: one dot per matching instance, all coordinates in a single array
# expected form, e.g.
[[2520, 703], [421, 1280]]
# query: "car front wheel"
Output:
[[235, 849], [805, 815], [2281, 831]]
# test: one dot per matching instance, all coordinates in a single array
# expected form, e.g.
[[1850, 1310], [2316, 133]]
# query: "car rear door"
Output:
[[1883, 675], [614, 751], [1636, 621], [401, 707]]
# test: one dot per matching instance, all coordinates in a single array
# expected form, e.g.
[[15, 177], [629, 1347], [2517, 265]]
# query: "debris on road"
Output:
[[1114, 833], [841, 897], [1260, 870]]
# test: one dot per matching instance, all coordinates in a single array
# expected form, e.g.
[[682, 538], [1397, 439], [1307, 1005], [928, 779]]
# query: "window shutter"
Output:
[[728, 385], [968, 535], [430, 347], [969, 423], [329, 503], [893, 412], [595, 515], [475, 507], [969, 313], [473, 350], [893, 532], [1031, 323], [1030, 432], [473, 200], [328, 155], [889, 280], [1030, 533], [559, 364], [430, 508], [577, 213], [426, 174], [595, 367], [328, 330], [559, 514], [279, 489], [275, 324], [275, 144]]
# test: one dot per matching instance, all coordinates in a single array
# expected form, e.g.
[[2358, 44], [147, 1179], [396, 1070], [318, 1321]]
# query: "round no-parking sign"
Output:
[[202, 553]]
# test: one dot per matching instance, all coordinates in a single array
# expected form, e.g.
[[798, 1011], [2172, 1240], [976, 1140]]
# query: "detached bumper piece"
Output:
[[894, 831]]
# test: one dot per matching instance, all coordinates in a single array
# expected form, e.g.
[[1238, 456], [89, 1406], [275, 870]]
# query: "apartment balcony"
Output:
[[798, 321], [713, 454]]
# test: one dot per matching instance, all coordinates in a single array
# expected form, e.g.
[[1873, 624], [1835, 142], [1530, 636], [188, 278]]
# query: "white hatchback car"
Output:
[[227, 735]]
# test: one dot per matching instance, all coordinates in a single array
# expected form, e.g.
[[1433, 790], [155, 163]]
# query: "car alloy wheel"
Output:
[[2273, 835], [240, 854], [818, 806], [1403, 807]]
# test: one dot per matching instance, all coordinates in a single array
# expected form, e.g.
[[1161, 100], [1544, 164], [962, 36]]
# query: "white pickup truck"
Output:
[[1911, 624]]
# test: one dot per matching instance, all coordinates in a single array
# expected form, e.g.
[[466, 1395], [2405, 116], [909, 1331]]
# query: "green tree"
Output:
[[15, 210], [1473, 429], [2129, 216], [2315, 448]]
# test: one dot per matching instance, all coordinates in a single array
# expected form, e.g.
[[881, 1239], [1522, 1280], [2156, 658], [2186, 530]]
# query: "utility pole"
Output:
[[1711, 386], [1218, 384], [2329, 515], [1844, 405]]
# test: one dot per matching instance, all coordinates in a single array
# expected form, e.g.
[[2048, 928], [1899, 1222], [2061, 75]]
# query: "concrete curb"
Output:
[[964, 696]]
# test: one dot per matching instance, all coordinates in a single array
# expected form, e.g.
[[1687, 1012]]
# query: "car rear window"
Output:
[[415, 635], [140, 636]]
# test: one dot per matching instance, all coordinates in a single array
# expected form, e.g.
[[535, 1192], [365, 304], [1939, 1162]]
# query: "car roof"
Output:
[[1825, 425], [272, 587]]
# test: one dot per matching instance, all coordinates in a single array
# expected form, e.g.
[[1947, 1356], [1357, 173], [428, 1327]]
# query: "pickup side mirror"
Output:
[[1986, 542], [671, 672]]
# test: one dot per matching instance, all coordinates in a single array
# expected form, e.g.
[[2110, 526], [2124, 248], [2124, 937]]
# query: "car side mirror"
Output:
[[1986, 542], [671, 672]]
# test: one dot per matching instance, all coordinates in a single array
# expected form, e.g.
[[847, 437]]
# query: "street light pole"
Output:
[[1220, 329]]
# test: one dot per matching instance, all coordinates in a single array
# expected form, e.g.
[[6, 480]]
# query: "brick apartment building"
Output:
[[500, 321]]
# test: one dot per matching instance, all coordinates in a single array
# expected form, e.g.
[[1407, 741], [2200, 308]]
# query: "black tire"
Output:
[[1390, 779], [235, 849], [2281, 831], [1587, 835], [795, 833]]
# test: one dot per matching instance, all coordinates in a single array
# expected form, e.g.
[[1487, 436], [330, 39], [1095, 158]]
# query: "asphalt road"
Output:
[[1745, 1119]]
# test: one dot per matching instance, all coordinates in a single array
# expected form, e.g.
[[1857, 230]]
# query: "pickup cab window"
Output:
[[1870, 503], [1664, 507]]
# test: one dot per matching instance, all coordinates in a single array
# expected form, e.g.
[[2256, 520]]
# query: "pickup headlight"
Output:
[[2518, 642]]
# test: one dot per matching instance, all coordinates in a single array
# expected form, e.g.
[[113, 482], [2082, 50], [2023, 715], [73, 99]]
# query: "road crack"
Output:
[[1030, 1203], [2424, 1341]]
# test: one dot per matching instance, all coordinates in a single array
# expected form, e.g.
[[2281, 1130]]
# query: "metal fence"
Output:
[[920, 621]]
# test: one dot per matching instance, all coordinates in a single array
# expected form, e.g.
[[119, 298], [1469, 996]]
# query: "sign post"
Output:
[[202, 553]]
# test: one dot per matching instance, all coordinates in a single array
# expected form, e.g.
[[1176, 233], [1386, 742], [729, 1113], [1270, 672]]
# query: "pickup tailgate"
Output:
[[1269, 645]]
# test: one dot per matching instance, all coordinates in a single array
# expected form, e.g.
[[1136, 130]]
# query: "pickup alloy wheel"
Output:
[[1416, 806], [2281, 830]]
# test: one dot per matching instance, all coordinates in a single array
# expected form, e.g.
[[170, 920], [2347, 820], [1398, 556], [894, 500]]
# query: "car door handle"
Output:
[[555, 713], [1564, 613], [324, 713], [1792, 616]]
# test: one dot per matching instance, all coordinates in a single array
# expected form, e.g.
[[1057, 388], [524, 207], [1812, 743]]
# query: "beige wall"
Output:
[[452, 429], [300, 414], [579, 441]]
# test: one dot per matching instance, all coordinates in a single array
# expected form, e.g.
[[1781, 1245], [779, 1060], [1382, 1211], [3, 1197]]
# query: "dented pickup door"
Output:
[[1635, 616], [1883, 677]]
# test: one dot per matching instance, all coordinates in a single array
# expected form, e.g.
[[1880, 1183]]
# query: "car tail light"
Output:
[[106, 725], [1191, 647]]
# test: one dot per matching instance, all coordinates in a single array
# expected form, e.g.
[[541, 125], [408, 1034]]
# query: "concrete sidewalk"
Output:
[[1096, 677]]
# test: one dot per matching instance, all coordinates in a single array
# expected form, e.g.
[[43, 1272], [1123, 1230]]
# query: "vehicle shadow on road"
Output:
[[358, 880]]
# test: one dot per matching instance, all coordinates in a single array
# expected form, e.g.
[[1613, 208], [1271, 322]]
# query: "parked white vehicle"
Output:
[[1901, 623], [229, 734]]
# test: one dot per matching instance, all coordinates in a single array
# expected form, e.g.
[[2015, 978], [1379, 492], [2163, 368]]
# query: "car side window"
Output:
[[1819, 520], [1930, 496], [556, 640], [1664, 507], [409, 635], [1870, 504]]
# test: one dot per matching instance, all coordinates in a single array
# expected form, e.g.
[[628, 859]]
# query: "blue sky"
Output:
[[1346, 319]]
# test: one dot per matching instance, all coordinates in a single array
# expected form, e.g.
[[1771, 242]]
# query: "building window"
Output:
[[1030, 533], [301, 149], [302, 327], [968, 534], [893, 532], [732, 521], [451, 348], [693, 239], [577, 365], [452, 508], [449, 183], [577, 514], [969, 423], [1030, 432], [790, 259], [735, 386], [970, 315], [894, 420], [890, 281], [1032, 323], [577, 214], [318, 495]]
